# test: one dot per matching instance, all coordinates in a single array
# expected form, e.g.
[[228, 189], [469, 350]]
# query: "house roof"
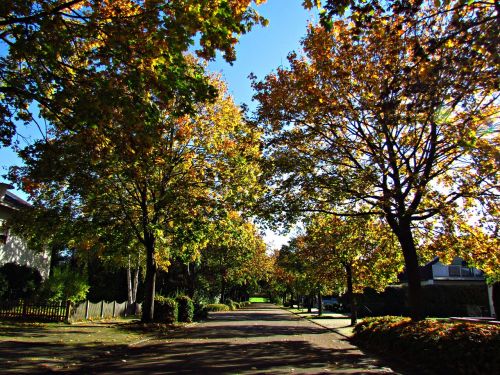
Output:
[[9, 199], [15, 200], [433, 261]]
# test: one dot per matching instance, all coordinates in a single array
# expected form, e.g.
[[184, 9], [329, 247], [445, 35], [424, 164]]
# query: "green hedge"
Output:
[[454, 348], [166, 310], [186, 309], [200, 311], [232, 304], [217, 307]]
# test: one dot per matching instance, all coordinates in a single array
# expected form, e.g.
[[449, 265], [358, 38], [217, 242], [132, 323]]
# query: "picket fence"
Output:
[[67, 312], [53, 312]]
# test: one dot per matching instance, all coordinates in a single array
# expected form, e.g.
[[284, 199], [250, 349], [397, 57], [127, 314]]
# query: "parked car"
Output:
[[332, 304]]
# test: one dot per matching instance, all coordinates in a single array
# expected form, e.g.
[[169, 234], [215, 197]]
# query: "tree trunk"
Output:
[[54, 259], [310, 302], [405, 237], [320, 304], [150, 283], [191, 271], [132, 285], [350, 293], [223, 290], [130, 299], [135, 283]]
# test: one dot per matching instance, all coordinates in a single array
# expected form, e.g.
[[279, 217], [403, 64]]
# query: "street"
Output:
[[256, 340]]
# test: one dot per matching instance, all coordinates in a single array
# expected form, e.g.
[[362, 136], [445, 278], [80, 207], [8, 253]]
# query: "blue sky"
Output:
[[265, 48], [262, 51], [259, 52]]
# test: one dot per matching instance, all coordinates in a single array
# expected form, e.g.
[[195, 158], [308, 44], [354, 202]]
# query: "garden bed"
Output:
[[437, 346]]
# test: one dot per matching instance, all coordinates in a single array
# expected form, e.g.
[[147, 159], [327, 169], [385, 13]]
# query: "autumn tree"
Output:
[[376, 122], [234, 256], [103, 75], [253, 274], [473, 22], [351, 253], [301, 271], [49, 47], [319, 275], [281, 278], [147, 170]]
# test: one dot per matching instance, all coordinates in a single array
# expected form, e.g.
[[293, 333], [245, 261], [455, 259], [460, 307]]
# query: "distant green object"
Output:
[[258, 299]]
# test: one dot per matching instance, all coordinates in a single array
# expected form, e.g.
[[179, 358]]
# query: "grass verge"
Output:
[[52, 347]]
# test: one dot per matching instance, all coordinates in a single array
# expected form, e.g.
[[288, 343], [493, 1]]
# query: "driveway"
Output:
[[262, 339]]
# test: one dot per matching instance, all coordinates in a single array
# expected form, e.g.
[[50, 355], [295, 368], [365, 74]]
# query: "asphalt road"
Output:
[[260, 340]]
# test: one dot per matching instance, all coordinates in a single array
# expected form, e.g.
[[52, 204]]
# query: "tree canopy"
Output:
[[341, 256], [377, 122], [53, 48], [147, 170]]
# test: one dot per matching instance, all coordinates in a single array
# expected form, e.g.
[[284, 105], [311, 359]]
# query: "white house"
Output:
[[12, 248]]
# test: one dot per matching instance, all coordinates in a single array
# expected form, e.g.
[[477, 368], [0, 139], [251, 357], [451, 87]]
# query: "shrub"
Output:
[[22, 281], [166, 310], [276, 300], [463, 348], [186, 309], [4, 285], [217, 307], [231, 304], [200, 311], [65, 284]]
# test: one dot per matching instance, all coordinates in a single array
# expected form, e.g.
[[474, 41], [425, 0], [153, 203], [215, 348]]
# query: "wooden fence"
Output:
[[53, 312], [90, 311], [66, 312]]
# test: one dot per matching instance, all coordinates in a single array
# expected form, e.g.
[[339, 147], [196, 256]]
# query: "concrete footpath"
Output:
[[339, 323]]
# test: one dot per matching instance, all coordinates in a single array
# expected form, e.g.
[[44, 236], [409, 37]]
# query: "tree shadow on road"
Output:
[[229, 358], [43, 357], [224, 331], [250, 315]]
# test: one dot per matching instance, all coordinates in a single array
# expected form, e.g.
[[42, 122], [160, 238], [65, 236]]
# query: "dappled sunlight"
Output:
[[208, 358]]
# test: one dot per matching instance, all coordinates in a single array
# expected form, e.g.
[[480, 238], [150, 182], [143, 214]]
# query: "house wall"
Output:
[[454, 271], [15, 250], [439, 270]]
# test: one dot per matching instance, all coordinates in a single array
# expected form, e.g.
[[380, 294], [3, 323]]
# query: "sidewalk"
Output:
[[339, 323]]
